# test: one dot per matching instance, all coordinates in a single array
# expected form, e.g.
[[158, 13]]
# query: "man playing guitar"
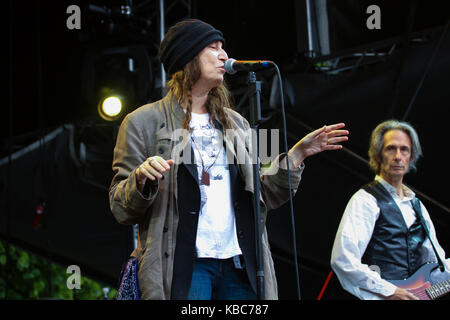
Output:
[[386, 234]]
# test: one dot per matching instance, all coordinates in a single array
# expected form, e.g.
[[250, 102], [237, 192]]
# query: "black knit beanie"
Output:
[[184, 41]]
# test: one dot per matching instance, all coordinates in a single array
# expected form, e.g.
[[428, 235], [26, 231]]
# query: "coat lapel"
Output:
[[191, 166], [183, 153]]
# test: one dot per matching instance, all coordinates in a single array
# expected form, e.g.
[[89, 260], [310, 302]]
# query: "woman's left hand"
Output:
[[323, 139]]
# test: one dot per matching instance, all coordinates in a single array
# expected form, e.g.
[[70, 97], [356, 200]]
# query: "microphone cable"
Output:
[[291, 205]]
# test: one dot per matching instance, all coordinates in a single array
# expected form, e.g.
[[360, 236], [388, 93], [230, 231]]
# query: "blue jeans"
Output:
[[219, 279]]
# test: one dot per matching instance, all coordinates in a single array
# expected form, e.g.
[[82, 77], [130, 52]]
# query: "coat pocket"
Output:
[[163, 144]]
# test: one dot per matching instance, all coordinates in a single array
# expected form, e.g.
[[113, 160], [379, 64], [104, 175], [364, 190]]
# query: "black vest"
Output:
[[394, 248]]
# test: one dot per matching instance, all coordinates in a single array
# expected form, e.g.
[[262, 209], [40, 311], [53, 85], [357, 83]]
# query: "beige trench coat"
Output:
[[146, 132]]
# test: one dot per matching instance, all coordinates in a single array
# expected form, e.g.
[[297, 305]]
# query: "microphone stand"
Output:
[[254, 90]]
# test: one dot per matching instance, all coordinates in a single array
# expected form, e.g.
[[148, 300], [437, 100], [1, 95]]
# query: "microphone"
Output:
[[232, 66]]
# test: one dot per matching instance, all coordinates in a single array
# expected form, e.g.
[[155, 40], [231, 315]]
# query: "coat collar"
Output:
[[175, 108]]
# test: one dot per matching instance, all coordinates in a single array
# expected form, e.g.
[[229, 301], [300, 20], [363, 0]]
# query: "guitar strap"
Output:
[[418, 208]]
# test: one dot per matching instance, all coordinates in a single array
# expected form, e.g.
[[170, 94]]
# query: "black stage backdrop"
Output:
[[61, 152]]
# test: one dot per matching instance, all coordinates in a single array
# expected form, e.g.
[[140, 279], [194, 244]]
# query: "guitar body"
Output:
[[419, 284]]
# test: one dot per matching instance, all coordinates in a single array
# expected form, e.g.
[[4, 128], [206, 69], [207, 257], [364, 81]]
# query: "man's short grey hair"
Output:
[[377, 141]]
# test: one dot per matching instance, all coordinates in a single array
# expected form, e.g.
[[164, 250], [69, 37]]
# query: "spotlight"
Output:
[[123, 74], [110, 108]]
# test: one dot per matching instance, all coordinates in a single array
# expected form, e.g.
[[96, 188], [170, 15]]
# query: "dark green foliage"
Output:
[[25, 276]]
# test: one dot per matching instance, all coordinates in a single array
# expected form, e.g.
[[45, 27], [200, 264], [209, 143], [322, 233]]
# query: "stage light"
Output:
[[123, 74], [110, 108]]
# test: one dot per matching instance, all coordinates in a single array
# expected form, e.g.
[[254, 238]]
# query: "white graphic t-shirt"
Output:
[[216, 233]]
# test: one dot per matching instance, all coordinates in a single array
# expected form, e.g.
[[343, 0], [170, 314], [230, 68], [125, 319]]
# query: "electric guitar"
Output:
[[419, 284]]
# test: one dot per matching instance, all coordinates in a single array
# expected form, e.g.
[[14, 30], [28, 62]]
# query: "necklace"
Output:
[[205, 179]]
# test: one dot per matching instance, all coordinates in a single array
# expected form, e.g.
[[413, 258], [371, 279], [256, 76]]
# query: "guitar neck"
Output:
[[439, 289]]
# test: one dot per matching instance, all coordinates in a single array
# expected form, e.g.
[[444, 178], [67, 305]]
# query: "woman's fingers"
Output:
[[335, 126], [159, 163], [153, 168], [146, 172], [336, 133], [337, 139]]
